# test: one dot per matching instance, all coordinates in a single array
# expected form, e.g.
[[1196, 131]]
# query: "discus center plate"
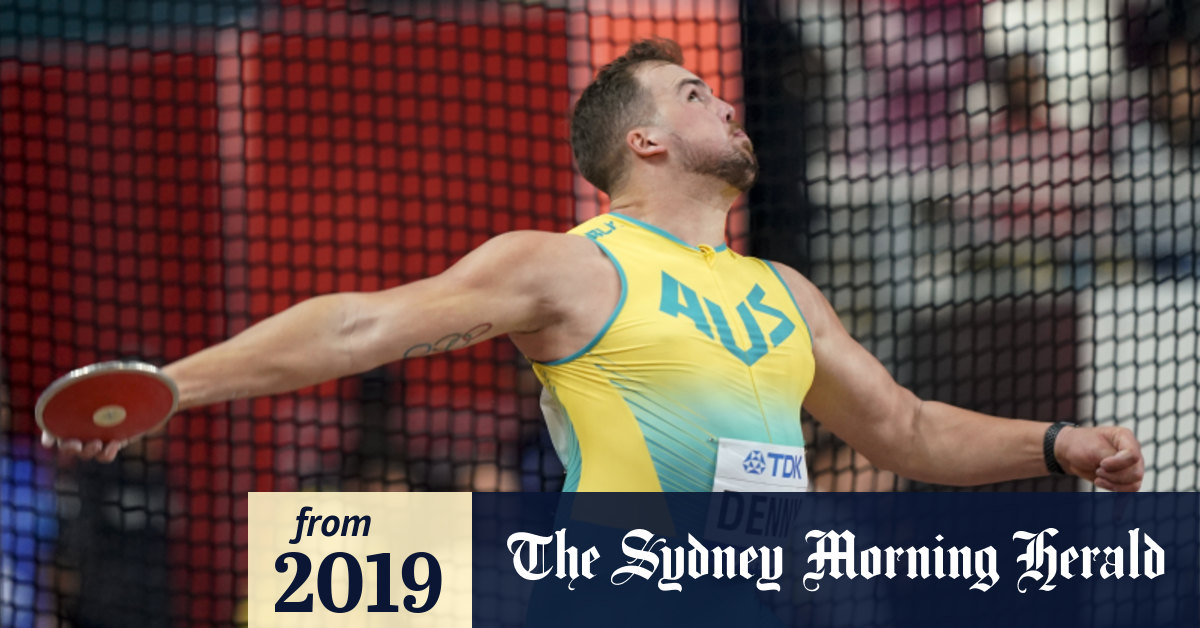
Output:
[[108, 416]]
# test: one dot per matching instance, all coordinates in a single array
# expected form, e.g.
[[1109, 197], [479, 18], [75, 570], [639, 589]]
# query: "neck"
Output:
[[695, 214]]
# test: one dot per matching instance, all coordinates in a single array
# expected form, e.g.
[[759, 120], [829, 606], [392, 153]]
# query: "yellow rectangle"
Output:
[[286, 535]]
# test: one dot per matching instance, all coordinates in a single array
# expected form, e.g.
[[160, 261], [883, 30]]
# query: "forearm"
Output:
[[304, 345], [953, 446]]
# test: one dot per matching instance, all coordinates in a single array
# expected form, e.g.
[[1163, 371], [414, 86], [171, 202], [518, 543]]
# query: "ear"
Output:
[[646, 141]]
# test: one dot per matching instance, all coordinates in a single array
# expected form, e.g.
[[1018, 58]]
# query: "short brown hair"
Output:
[[611, 105]]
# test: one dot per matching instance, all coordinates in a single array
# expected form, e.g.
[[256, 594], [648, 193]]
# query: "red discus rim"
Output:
[[105, 368]]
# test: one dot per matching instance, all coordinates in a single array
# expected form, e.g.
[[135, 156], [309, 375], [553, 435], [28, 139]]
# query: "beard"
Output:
[[736, 166]]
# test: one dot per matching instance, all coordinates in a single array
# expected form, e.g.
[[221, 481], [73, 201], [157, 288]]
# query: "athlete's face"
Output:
[[701, 128]]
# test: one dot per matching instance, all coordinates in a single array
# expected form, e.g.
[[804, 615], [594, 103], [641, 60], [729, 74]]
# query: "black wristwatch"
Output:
[[1048, 447]]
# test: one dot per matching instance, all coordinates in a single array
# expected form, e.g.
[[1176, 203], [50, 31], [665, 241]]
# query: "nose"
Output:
[[726, 111]]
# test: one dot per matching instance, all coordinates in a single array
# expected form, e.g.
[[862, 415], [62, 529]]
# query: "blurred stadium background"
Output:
[[998, 196]]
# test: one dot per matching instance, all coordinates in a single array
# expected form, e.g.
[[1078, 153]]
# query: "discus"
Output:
[[108, 401]]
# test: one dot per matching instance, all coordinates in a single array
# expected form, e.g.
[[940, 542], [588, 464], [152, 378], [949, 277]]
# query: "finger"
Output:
[[48, 441], [1124, 440], [110, 451], [91, 449], [71, 446], [1105, 484], [1127, 475], [1120, 460]]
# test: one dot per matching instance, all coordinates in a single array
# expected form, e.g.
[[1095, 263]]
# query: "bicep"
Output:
[[852, 393], [494, 290]]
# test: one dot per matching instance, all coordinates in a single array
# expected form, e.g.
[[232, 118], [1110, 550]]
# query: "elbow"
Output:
[[891, 463], [921, 450], [352, 329], [337, 326], [903, 449]]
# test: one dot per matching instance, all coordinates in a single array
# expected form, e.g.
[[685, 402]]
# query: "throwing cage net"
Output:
[[998, 198]]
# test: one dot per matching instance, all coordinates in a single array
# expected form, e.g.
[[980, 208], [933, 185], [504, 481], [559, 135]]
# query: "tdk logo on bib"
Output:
[[782, 465], [786, 466], [744, 465], [754, 463]]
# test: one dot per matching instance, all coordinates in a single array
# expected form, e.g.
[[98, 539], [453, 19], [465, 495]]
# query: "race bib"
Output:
[[749, 466]]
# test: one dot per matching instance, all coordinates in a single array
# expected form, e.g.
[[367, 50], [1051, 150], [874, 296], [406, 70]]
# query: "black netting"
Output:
[[998, 198]]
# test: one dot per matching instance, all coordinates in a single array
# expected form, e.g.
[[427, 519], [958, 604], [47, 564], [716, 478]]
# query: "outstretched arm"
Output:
[[855, 397], [502, 287], [494, 290]]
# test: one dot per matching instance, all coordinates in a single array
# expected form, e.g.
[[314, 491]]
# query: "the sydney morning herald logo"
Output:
[[838, 554]]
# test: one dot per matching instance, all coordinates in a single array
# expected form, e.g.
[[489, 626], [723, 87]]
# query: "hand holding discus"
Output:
[[96, 410]]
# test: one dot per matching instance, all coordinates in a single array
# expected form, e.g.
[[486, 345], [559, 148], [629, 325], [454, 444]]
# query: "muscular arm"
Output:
[[511, 284], [856, 398], [497, 289]]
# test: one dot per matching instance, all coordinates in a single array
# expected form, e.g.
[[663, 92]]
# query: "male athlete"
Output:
[[661, 350]]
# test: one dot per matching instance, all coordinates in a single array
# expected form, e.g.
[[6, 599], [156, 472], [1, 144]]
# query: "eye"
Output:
[[693, 95]]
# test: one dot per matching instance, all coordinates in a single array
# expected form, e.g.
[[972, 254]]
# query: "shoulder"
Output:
[[538, 254], [537, 246], [545, 265], [568, 280], [540, 245], [797, 283], [816, 308]]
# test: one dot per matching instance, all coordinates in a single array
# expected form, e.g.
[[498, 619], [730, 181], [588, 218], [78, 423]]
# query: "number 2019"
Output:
[[383, 582]]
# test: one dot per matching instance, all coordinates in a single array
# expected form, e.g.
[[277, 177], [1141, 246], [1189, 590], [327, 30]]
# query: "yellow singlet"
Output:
[[704, 343]]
